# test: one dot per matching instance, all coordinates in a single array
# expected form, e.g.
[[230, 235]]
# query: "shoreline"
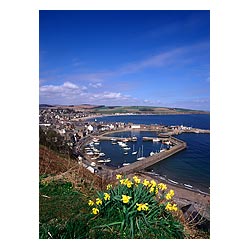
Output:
[[183, 196], [174, 183], [128, 114]]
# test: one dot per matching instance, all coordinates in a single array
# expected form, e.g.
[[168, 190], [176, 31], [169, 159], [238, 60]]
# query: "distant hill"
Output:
[[45, 106], [145, 110], [102, 109]]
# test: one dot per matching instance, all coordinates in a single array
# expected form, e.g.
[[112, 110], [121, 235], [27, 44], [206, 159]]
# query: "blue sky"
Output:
[[151, 58]]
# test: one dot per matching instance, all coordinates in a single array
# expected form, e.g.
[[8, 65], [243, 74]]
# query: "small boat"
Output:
[[104, 161], [101, 154], [125, 153], [126, 148], [152, 153], [89, 153], [186, 185], [156, 139], [122, 144], [134, 152], [126, 164], [141, 157], [173, 181], [134, 138]]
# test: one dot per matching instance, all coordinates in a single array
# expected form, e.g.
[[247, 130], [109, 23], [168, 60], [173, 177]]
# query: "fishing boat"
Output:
[[134, 138], [152, 153], [126, 164], [126, 148], [156, 139], [122, 144], [140, 157], [134, 152], [104, 160]]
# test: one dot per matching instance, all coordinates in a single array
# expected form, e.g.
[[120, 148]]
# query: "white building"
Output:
[[90, 128], [135, 126]]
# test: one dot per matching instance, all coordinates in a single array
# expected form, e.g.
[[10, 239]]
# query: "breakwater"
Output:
[[151, 160]]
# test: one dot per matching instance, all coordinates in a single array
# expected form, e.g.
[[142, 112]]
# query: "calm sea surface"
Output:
[[189, 168]]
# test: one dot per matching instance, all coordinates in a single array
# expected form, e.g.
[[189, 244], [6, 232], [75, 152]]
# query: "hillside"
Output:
[[53, 166], [65, 189], [144, 110], [102, 109]]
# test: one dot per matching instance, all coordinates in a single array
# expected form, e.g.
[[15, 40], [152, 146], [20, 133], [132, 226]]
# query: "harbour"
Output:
[[124, 143]]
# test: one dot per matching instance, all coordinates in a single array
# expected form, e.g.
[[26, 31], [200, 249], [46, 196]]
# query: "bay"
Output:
[[189, 168]]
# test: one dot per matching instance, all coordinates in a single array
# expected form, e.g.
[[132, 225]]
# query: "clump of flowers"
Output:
[[133, 205]]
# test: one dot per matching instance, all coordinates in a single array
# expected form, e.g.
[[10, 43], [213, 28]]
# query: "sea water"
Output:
[[189, 168]]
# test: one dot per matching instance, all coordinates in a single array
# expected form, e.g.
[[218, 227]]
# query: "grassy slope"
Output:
[[64, 191]]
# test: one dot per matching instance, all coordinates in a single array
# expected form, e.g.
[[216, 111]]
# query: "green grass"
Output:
[[60, 211]]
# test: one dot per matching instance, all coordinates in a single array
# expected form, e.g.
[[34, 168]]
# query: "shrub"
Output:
[[134, 209]]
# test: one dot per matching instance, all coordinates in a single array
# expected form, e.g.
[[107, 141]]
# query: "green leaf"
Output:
[[108, 225], [132, 227]]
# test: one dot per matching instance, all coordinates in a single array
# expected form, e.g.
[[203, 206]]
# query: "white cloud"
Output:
[[70, 85], [67, 90], [113, 96], [95, 85]]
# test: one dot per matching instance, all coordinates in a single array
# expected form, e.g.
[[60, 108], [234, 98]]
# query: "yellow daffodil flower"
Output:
[[109, 186], [91, 203], [168, 196], [106, 196], [174, 207], [95, 210], [171, 192], [129, 184], [118, 176], [142, 206], [168, 207], [124, 181], [162, 186], [145, 183], [125, 198], [136, 179], [153, 183], [98, 201], [151, 190]]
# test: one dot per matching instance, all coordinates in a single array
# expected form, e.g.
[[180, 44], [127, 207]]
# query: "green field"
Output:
[[142, 110]]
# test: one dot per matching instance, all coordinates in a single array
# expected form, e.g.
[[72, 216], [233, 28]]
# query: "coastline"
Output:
[[183, 196], [127, 114]]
